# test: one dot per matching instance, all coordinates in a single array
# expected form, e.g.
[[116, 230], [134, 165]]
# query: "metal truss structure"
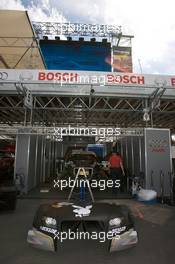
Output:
[[24, 44], [112, 32], [83, 109], [18, 42]]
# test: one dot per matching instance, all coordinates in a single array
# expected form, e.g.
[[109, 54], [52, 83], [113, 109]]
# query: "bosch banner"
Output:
[[87, 77]]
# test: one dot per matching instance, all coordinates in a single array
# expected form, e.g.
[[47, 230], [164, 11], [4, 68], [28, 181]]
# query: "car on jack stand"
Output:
[[86, 159], [78, 158]]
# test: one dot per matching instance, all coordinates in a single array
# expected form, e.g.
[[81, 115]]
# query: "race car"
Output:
[[53, 220], [89, 161], [79, 158]]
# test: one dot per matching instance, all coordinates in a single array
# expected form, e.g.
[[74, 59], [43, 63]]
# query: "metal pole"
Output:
[[126, 146], [31, 117], [152, 124], [49, 158], [62, 155], [140, 154], [162, 186], [53, 158], [152, 183], [25, 117], [57, 165], [121, 144], [146, 106], [132, 156], [36, 161], [171, 186], [127, 160], [44, 159], [41, 165]]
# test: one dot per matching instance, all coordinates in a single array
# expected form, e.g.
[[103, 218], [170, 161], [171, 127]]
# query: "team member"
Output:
[[116, 167]]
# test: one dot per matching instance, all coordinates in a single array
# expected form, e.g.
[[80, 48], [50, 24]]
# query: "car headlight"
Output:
[[115, 222], [49, 221]]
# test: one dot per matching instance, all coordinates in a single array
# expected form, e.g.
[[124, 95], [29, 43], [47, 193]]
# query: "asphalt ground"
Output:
[[155, 225]]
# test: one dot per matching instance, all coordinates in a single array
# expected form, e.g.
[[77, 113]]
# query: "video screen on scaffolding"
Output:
[[76, 55]]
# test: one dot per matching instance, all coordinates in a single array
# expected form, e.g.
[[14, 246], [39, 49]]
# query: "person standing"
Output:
[[116, 168]]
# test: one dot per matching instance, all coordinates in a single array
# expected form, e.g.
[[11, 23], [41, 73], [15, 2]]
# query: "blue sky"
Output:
[[152, 23]]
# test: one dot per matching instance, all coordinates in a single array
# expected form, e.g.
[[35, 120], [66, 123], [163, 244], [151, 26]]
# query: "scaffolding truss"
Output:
[[76, 29], [80, 110]]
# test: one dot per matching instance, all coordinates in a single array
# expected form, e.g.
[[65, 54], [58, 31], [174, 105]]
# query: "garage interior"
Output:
[[45, 150]]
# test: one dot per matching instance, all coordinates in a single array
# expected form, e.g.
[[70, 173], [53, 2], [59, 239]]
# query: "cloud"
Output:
[[81, 11], [11, 4], [43, 10], [39, 10], [151, 22]]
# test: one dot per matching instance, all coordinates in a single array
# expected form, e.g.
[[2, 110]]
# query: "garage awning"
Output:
[[60, 98], [19, 47]]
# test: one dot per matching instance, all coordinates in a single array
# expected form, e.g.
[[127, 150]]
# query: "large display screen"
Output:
[[76, 55], [122, 59]]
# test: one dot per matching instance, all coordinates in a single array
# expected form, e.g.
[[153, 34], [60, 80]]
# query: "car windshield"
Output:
[[83, 157]]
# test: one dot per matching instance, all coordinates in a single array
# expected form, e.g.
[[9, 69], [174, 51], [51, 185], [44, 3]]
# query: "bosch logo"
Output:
[[3, 76]]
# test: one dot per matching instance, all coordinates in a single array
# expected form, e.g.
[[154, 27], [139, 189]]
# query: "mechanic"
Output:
[[116, 167]]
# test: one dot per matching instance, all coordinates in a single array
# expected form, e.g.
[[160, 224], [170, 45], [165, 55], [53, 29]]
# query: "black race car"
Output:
[[53, 220], [79, 158]]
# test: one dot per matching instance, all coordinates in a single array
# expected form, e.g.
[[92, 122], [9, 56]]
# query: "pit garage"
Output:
[[88, 117], [51, 118]]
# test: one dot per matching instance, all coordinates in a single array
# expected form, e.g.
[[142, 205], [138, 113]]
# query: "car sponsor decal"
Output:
[[118, 230], [59, 205], [3, 76], [82, 211], [49, 230]]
